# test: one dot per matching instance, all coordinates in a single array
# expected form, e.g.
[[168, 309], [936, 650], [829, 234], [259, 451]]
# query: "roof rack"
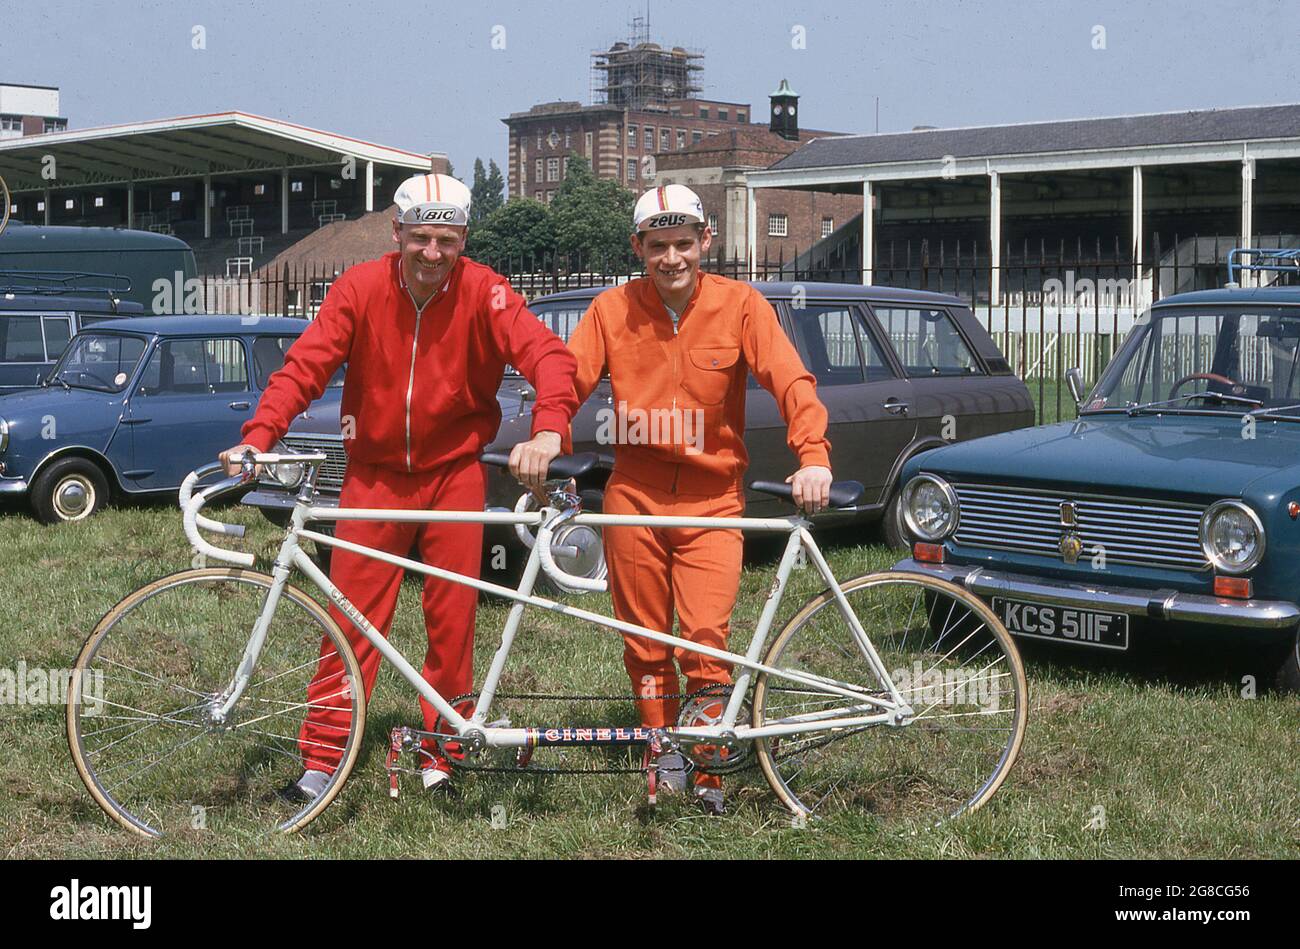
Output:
[[56, 282], [1279, 259]]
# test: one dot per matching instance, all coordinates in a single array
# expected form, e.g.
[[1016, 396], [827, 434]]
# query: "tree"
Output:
[[519, 234], [592, 218], [487, 193]]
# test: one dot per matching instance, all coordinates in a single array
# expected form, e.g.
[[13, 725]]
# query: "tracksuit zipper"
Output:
[[410, 381]]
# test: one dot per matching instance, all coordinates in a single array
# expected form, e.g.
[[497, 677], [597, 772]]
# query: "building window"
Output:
[[631, 169], [722, 115], [696, 136], [665, 139], [552, 169], [740, 116], [828, 226], [777, 225], [537, 170], [649, 139], [704, 111], [713, 222], [681, 138]]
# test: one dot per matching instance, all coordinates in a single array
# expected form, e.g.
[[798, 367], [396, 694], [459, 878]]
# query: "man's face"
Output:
[[672, 256], [429, 251]]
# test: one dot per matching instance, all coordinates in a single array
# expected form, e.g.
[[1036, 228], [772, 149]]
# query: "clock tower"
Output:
[[784, 117]]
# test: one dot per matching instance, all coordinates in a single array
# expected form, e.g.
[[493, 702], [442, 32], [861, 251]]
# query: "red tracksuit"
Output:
[[419, 405]]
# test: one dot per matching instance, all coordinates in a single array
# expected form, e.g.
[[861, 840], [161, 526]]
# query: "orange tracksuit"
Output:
[[687, 460]]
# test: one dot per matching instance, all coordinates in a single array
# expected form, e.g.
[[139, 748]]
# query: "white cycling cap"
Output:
[[669, 206], [432, 199]]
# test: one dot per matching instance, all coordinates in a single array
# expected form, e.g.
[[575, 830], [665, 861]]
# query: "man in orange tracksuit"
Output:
[[679, 346], [426, 334]]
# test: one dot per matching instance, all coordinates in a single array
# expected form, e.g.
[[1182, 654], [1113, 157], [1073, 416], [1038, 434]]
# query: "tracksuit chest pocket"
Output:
[[707, 372]]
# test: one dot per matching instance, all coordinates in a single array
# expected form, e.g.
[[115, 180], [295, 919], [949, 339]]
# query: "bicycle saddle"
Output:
[[562, 467], [843, 493]]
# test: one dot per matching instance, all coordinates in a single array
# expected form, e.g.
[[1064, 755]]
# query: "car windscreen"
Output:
[[101, 362], [1207, 360], [560, 318]]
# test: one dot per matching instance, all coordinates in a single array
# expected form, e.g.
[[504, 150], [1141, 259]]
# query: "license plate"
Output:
[[1063, 623]]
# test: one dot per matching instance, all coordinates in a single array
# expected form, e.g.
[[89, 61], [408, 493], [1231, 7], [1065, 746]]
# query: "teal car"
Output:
[[1171, 505]]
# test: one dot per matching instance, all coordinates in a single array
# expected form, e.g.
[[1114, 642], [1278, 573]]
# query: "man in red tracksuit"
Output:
[[426, 334]]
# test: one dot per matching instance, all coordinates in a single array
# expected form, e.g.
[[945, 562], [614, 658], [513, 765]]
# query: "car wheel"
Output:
[[70, 489], [892, 524], [1288, 673]]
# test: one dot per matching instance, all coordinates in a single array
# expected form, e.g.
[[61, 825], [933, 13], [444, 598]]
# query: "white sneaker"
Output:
[[435, 780]]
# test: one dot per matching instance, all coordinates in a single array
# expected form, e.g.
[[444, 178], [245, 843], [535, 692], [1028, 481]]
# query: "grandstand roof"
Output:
[[189, 146], [1267, 131]]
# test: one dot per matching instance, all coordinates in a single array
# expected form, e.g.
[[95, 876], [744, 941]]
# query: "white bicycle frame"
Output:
[[882, 705]]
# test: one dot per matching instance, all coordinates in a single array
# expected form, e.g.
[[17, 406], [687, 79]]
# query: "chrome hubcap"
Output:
[[73, 497]]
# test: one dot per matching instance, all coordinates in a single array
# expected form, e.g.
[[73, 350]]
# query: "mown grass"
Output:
[[1123, 758]]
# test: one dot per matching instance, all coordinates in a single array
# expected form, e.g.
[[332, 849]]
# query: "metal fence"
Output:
[[1049, 306]]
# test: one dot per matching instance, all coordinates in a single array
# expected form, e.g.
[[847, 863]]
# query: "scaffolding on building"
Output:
[[638, 74]]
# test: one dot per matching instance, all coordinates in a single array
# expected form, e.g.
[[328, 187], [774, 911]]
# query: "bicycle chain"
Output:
[[543, 696]]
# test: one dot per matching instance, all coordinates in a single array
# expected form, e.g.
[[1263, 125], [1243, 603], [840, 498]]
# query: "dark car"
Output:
[[900, 372], [134, 405], [41, 311], [1169, 510]]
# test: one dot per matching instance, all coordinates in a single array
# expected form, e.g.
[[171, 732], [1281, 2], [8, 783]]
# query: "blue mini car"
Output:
[[134, 405], [1171, 505]]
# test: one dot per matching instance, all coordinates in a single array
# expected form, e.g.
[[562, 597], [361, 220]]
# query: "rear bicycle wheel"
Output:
[[140, 720], [951, 660]]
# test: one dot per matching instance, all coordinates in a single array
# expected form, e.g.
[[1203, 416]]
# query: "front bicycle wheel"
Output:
[[141, 716], [952, 662]]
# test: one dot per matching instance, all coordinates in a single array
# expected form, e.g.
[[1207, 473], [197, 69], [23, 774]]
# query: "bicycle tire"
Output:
[[174, 650]]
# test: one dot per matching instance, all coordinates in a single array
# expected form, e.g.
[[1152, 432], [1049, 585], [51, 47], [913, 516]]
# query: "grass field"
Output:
[[1142, 757]]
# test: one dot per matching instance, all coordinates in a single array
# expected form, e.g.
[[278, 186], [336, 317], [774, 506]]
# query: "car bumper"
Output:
[[13, 486], [1168, 605]]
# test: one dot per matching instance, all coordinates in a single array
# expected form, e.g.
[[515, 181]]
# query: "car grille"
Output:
[[331, 472], [1131, 531]]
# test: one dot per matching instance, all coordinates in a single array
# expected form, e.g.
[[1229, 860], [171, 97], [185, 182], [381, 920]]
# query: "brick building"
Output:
[[648, 127], [29, 110], [787, 223], [619, 142]]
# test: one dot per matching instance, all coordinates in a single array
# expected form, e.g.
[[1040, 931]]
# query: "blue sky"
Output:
[[424, 76]]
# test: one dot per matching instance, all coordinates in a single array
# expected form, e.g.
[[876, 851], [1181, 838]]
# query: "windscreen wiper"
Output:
[[1273, 409], [1222, 397]]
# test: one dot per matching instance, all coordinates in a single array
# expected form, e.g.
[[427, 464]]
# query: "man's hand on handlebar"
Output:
[[232, 460], [812, 488], [529, 460]]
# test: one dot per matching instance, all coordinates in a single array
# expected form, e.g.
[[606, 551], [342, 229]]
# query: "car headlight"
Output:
[[1232, 536], [4, 436], [930, 507], [287, 474]]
